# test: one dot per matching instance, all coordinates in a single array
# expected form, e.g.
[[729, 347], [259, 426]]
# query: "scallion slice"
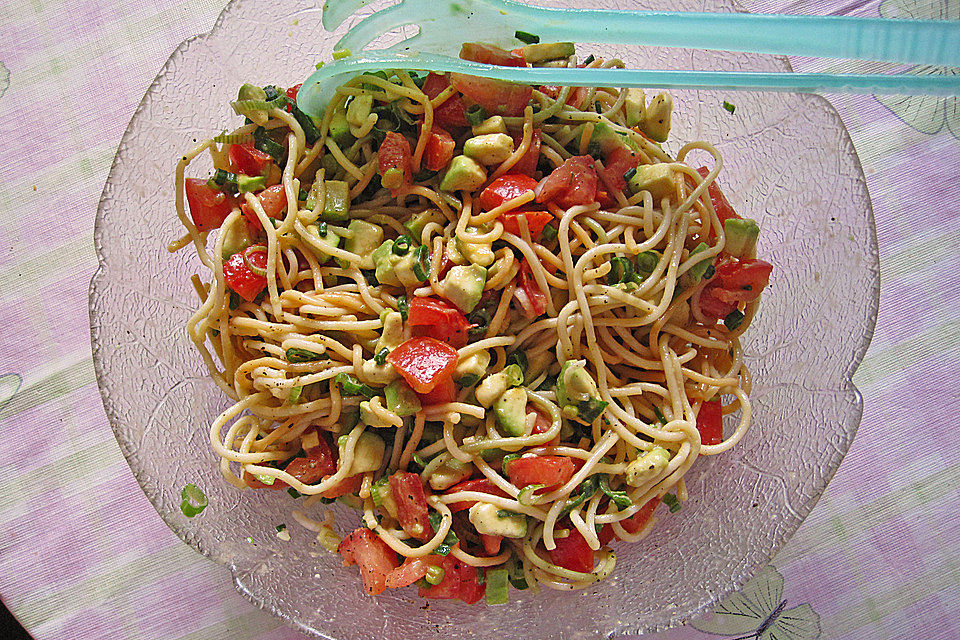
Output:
[[403, 306], [353, 387], [475, 115], [729, 107], [268, 145], [671, 501], [401, 246], [527, 496], [381, 356], [507, 458], [620, 270], [519, 358], [590, 58], [733, 320], [659, 414], [192, 500], [257, 248], [526, 38], [295, 354], [421, 267], [619, 498], [294, 397]]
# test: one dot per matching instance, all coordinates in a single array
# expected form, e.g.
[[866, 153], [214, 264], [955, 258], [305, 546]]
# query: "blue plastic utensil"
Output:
[[433, 47]]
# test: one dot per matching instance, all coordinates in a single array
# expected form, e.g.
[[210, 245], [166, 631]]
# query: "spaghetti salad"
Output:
[[498, 320]]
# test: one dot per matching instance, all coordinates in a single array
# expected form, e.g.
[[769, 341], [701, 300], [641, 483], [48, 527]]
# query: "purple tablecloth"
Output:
[[84, 555]]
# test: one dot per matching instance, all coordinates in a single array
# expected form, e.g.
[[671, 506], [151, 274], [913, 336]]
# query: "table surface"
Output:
[[83, 554]]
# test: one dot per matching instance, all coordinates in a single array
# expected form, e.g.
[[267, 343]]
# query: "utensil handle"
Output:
[[914, 41]]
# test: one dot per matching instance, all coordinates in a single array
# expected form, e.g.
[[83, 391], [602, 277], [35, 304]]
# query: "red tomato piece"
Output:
[[274, 202], [576, 97], [424, 362], [532, 300], [350, 484], [747, 278], [480, 485], [497, 97], [543, 422], [618, 161], [208, 207], [251, 481], [572, 552], [489, 54], [410, 571], [710, 422], [545, 470], [412, 511], [459, 582], [394, 154], [439, 150], [438, 319], [637, 521], [450, 113], [444, 392], [528, 163], [249, 160], [573, 182], [318, 463], [536, 221], [239, 277], [712, 307], [720, 203], [491, 543], [292, 93], [374, 557], [506, 187]]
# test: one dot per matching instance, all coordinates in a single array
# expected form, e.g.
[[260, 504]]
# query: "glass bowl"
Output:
[[789, 163]]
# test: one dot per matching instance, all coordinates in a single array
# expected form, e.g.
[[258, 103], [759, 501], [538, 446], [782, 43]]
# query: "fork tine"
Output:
[[372, 27], [336, 11]]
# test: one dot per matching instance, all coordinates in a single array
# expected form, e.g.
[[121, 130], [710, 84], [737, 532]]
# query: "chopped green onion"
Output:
[[434, 575], [417, 459], [295, 354], [192, 500], [322, 228], [265, 479], [549, 233], [583, 492], [468, 380], [629, 173], [480, 319], [620, 270], [319, 64], [381, 356], [671, 501], [294, 397], [526, 38], [647, 262], [710, 272], [519, 358], [341, 54], [401, 246], [257, 248], [303, 194], [294, 493], [281, 528], [733, 320], [403, 306], [233, 138], [659, 414], [310, 131], [250, 540], [729, 107], [272, 92], [527, 496], [475, 115], [268, 145], [507, 458], [353, 387], [515, 572], [590, 58], [497, 580], [421, 267], [449, 541], [619, 498]]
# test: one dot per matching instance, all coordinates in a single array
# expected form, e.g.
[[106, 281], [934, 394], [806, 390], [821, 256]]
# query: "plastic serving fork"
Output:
[[443, 23]]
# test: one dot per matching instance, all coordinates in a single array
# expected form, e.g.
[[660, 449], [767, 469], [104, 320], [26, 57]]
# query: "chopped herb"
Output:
[[590, 58], [421, 266], [733, 320], [582, 493], [381, 356], [353, 387], [729, 107], [549, 233], [479, 321], [192, 500], [671, 501], [519, 358], [295, 354], [281, 528], [293, 493], [659, 414], [403, 306], [619, 498], [527, 38], [401, 246], [475, 115]]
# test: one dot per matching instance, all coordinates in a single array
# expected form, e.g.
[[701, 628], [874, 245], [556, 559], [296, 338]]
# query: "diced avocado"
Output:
[[449, 473], [634, 106], [606, 140], [547, 51], [493, 124], [656, 119], [419, 220], [648, 466], [463, 174], [491, 453], [646, 262], [383, 496], [488, 520], [359, 108], [471, 368], [693, 274], [393, 269], [329, 238], [474, 252], [498, 585], [336, 204], [490, 148], [379, 373], [495, 384], [511, 411], [658, 179], [247, 184], [251, 92], [236, 238], [577, 392], [392, 335], [365, 237], [741, 236], [401, 399], [340, 129], [368, 417], [463, 286], [368, 453]]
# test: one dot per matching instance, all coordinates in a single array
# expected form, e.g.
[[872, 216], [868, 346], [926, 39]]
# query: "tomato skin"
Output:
[[489, 54], [543, 422], [618, 161], [240, 278], [546, 470], [436, 318], [274, 202], [249, 160], [350, 484], [528, 163], [208, 207], [394, 153], [374, 557], [423, 362], [497, 97], [572, 552], [481, 485], [746, 278], [536, 221], [318, 462], [532, 300], [491, 543], [720, 203], [444, 392], [710, 422], [439, 149], [452, 113], [712, 307], [506, 187], [459, 583], [410, 571], [632, 524], [292, 93], [573, 182], [412, 510]]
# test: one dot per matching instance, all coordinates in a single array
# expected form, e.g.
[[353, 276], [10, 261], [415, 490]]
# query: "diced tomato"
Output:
[[412, 511], [532, 300], [292, 93], [573, 182], [438, 319], [528, 163], [618, 161], [546, 470], [251, 481], [274, 202], [410, 571], [374, 557], [720, 203], [318, 463], [489, 54], [394, 153], [480, 485], [506, 187], [710, 422], [497, 97], [572, 552], [713, 307], [551, 90], [637, 521], [536, 221], [239, 277], [249, 160], [208, 207], [452, 112], [543, 422], [576, 97], [350, 484], [459, 582], [424, 362], [744, 278], [439, 150], [444, 392], [491, 543]]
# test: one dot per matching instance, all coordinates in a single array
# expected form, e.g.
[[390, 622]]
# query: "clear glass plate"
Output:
[[789, 164]]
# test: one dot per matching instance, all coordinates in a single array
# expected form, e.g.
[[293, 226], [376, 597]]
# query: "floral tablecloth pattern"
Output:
[[84, 555]]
